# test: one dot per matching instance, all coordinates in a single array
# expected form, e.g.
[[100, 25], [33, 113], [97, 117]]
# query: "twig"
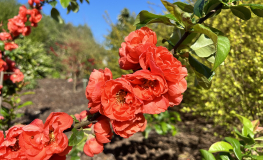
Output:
[[201, 20]]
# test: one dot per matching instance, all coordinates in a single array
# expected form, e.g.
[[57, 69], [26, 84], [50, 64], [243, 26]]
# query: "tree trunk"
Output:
[[74, 82]]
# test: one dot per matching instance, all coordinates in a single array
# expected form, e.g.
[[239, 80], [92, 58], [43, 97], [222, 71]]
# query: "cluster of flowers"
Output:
[[16, 26], [37, 140], [158, 82]]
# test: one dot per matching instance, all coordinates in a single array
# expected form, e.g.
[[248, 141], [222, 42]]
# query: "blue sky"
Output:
[[92, 13]]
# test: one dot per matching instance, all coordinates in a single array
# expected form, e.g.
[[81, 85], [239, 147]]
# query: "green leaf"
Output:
[[223, 48], [248, 140], [241, 12], [200, 68], [87, 1], [164, 127], [207, 155], [210, 5], [220, 147], [185, 7], [158, 129], [2, 46], [64, 3], [56, 16], [174, 10], [236, 144], [246, 122], [198, 8], [81, 1], [258, 146], [76, 137], [27, 103], [75, 158], [199, 28], [145, 17], [203, 47], [224, 156], [4, 111], [257, 9], [53, 3], [74, 6]]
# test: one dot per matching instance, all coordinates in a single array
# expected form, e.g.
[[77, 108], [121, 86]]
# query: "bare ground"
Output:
[[195, 133]]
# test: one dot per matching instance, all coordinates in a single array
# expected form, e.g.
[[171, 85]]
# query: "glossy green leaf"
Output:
[[210, 5], [247, 139], [200, 68], [220, 147], [246, 131], [185, 7], [241, 12], [64, 3], [223, 48], [76, 137], [74, 6], [224, 156], [207, 155], [53, 3], [199, 7], [257, 9], [203, 47], [246, 122], [258, 146], [173, 9], [2, 46], [199, 28], [56, 16], [27, 103], [145, 17], [236, 144]]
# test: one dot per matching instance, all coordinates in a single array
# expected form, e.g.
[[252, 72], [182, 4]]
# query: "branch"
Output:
[[85, 123], [201, 20]]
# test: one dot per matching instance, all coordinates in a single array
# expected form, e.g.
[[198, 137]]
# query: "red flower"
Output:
[[150, 87], [93, 91], [5, 36], [118, 100], [18, 76], [3, 65], [2, 148], [35, 17], [102, 130], [41, 141], [127, 128], [92, 146], [10, 46], [161, 58], [131, 50], [11, 143], [16, 26], [23, 12]]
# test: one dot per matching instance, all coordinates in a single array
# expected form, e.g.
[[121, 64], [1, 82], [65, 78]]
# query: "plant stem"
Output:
[[84, 123], [201, 20]]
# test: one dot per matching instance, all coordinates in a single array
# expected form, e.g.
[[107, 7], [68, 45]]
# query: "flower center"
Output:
[[147, 84], [16, 147], [51, 136], [120, 96]]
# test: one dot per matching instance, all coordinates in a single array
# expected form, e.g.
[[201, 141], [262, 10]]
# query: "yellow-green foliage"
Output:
[[238, 85]]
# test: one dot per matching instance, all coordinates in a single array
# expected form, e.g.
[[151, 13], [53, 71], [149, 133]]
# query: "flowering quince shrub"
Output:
[[120, 105]]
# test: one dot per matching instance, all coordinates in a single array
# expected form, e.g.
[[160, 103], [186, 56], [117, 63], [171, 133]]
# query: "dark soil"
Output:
[[195, 133]]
